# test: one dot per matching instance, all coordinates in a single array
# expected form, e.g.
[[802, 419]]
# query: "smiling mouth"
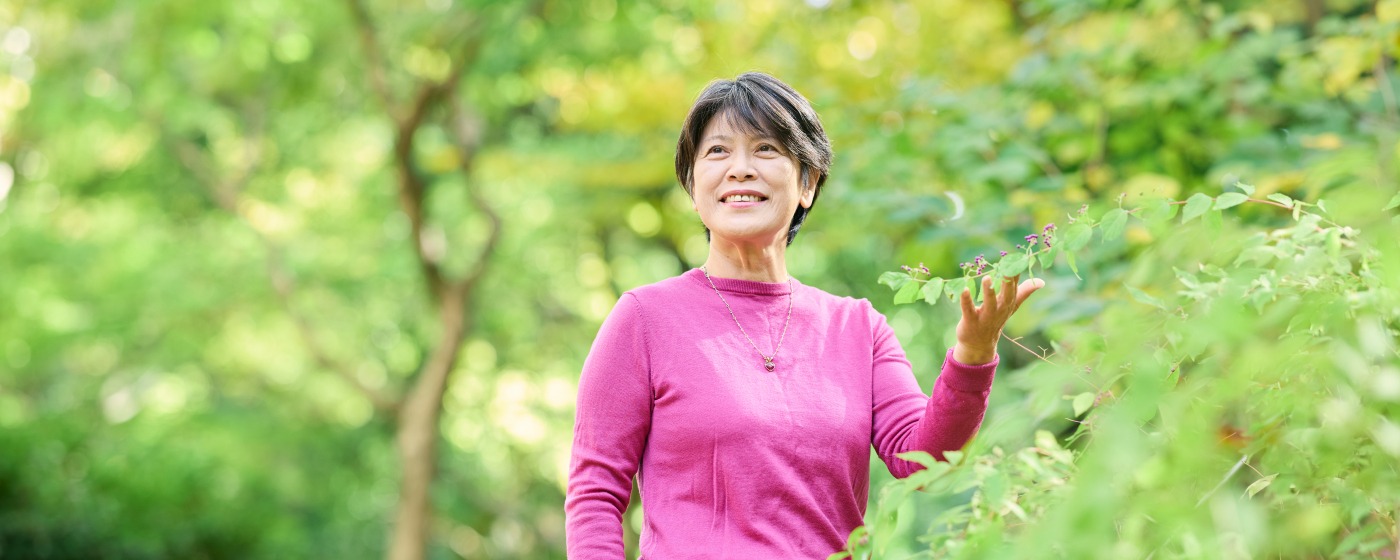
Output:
[[742, 198]]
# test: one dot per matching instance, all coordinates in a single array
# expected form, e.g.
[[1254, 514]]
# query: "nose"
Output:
[[741, 167]]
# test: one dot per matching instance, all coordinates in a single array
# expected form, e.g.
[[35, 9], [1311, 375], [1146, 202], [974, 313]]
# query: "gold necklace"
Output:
[[767, 360]]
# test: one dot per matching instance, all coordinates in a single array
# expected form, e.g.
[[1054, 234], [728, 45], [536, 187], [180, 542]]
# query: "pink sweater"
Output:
[[735, 461]]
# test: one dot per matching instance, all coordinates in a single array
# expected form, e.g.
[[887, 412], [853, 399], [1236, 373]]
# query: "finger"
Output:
[[967, 309], [989, 294], [1008, 293], [1026, 289]]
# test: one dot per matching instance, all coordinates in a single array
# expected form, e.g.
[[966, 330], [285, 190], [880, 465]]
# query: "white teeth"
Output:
[[743, 198]]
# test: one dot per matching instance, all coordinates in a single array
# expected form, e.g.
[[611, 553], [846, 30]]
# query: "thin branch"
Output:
[[374, 57], [467, 146], [1046, 358], [1222, 482], [412, 186], [285, 287], [1016, 341], [225, 192], [1387, 94]]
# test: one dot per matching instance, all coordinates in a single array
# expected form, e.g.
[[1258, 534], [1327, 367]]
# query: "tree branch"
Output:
[[225, 191], [412, 186], [374, 57], [468, 142]]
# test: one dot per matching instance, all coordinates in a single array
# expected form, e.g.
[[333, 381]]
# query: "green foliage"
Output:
[[1277, 353]]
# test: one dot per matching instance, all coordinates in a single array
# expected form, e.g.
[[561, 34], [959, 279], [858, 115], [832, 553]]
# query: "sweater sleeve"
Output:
[[904, 419], [610, 433]]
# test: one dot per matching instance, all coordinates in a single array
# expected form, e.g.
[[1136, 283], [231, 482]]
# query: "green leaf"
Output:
[[1144, 297], [1281, 199], [1113, 222], [1247, 188], [1195, 206], [1158, 210], [1229, 199], [1012, 264], [1082, 402], [972, 286], [1394, 202], [1069, 260], [895, 280], [907, 293], [1260, 485], [932, 290], [920, 457], [1076, 237], [1047, 257]]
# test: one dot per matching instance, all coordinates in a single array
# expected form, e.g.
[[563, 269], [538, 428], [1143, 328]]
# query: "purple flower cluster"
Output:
[[912, 269], [979, 264]]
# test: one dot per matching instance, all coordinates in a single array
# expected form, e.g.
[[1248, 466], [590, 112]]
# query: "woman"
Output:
[[745, 402]]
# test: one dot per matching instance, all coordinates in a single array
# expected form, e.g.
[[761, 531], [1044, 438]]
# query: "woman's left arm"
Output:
[[906, 420]]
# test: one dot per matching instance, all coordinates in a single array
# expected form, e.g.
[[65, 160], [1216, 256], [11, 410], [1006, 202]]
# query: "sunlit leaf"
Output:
[[1113, 222], [1013, 264], [895, 280], [920, 457], [1082, 402], [1260, 484], [932, 290], [907, 293], [1195, 206], [1075, 237], [1158, 210], [1228, 200], [1281, 199], [1146, 298]]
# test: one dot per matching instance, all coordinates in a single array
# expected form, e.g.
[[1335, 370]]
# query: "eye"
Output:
[[767, 147], [715, 150]]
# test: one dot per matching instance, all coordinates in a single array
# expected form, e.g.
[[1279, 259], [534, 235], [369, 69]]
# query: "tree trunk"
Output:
[[417, 436]]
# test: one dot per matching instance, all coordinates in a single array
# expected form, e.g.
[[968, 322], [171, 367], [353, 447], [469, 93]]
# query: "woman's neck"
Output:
[[740, 261]]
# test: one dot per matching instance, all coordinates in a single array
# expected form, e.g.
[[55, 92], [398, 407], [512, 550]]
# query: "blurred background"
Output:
[[287, 279]]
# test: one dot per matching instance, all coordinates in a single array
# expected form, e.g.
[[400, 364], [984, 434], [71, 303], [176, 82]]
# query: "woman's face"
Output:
[[746, 187]]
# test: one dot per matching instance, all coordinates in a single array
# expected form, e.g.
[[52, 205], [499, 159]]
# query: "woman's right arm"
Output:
[[610, 432]]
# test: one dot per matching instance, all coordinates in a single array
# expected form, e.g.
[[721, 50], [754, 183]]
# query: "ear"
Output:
[[809, 189]]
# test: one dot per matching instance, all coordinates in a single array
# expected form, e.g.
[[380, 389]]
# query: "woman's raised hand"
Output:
[[981, 325]]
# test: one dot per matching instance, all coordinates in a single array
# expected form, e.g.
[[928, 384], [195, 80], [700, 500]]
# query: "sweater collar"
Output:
[[751, 287]]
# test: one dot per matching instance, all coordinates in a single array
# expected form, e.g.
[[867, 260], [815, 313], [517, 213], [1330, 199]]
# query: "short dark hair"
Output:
[[761, 105]]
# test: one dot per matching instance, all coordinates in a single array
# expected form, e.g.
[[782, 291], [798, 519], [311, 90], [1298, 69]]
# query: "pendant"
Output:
[[768, 363]]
